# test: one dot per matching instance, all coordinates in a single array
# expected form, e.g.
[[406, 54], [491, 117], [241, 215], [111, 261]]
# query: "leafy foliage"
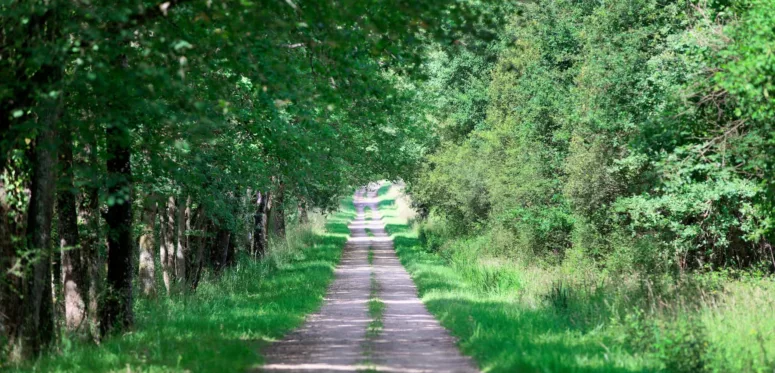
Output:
[[209, 106], [613, 124]]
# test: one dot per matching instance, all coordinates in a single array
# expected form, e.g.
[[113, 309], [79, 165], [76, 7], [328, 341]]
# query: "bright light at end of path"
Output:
[[361, 225], [370, 239], [366, 200]]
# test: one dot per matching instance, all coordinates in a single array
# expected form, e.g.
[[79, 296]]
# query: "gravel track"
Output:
[[335, 340]]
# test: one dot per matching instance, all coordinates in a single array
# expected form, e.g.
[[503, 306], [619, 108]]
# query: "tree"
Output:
[[159, 100], [75, 272], [147, 266]]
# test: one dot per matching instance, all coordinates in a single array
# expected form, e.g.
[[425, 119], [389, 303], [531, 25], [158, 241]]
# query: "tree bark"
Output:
[[278, 212], [231, 252], [88, 212], [197, 245], [220, 252], [259, 226], [181, 247], [116, 312], [303, 215], [167, 249], [147, 268], [75, 272], [188, 229], [38, 326]]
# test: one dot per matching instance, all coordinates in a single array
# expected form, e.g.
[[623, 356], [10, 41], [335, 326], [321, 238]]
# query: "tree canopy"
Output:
[[191, 113]]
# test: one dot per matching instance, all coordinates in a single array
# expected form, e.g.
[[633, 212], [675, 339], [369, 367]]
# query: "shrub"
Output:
[[682, 346]]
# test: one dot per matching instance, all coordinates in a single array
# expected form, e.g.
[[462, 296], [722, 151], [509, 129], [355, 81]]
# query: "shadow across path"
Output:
[[335, 339]]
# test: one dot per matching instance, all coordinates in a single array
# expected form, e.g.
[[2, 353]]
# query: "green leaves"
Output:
[[182, 45], [639, 119]]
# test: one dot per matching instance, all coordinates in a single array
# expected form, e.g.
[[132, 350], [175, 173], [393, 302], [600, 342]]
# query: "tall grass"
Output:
[[512, 315], [221, 326]]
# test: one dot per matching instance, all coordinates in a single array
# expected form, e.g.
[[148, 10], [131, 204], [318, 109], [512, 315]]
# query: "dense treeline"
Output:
[[142, 140], [599, 195], [144, 144], [629, 134]]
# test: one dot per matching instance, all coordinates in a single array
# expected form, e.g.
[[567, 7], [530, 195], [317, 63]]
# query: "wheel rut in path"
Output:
[[335, 338]]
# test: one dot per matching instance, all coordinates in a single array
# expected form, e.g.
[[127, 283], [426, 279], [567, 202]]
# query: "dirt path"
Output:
[[335, 339]]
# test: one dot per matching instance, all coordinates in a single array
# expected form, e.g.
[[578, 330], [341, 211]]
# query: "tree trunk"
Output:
[[181, 247], [38, 326], [197, 245], [303, 216], [116, 313], [188, 242], [147, 268], [259, 226], [75, 272], [167, 237], [231, 252], [220, 252], [56, 282], [249, 201], [88, 212], [278, 212]]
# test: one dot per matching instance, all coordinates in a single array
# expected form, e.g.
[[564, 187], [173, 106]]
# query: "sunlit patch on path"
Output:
[[335, 339]]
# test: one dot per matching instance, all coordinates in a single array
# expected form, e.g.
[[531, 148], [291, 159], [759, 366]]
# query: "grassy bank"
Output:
[[512, 317], [220, 327]]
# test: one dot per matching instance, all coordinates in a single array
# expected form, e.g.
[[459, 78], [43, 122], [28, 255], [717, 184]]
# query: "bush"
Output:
[[542, 232], [680, 343], [639, 332], [432, 236], [682, 346]]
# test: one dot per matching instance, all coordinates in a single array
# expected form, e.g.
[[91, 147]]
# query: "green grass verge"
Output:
[[499, 332], [513, 318], [503, 335], [221, 327]]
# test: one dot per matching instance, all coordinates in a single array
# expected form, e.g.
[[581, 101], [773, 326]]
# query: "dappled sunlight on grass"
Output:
[[220, 327], [501, 332], [516, 317]]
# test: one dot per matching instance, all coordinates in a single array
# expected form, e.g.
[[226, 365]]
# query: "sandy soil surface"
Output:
[[335, 339]]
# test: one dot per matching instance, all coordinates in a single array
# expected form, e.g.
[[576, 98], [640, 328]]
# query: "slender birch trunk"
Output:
[[168, 247], [147, 267], [260, 218], [181, 244]]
